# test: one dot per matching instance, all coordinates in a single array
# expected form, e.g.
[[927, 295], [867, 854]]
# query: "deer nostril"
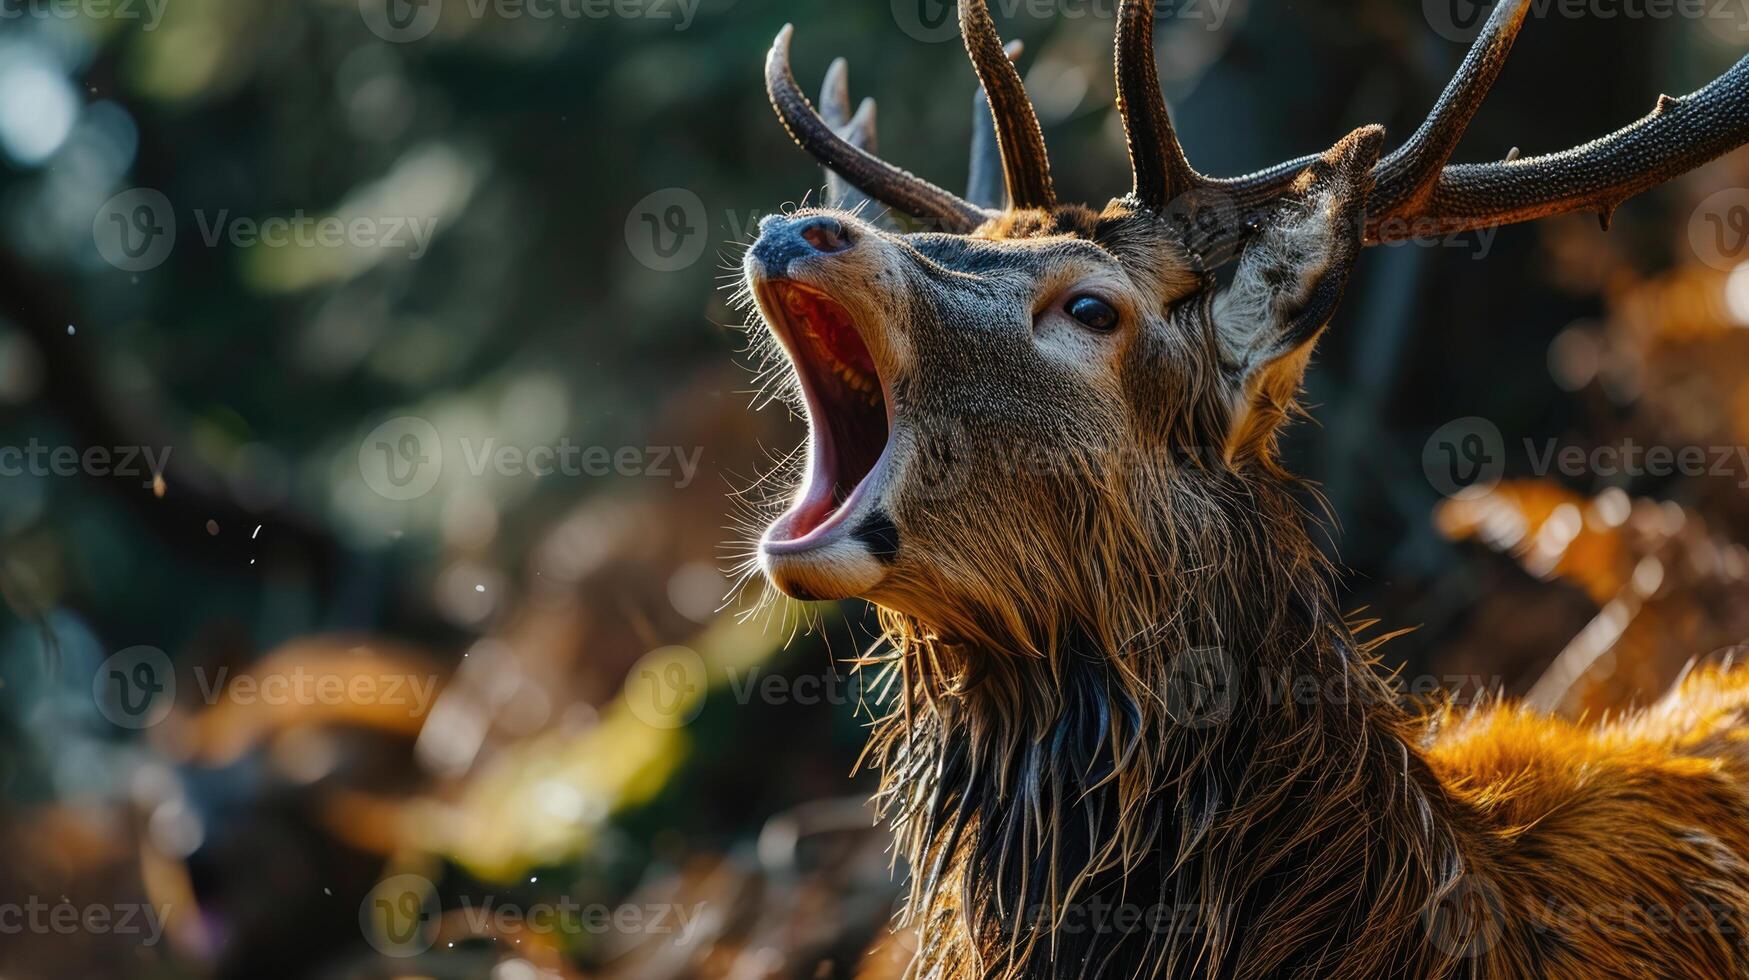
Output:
[[785, 241], [825, 234]]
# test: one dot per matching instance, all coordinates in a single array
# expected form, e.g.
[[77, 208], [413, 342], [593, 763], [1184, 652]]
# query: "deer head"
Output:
[[1014, 408]]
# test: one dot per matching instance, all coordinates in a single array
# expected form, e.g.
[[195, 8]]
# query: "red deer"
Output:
[[1135, 736]]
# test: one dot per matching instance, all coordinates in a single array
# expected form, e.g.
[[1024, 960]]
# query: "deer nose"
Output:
[[784, 240]]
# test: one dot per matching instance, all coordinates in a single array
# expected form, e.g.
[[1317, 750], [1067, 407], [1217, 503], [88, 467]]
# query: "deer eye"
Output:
[[1092, 313]]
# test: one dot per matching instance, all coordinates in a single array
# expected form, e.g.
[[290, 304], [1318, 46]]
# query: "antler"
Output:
[[1162, 172], [1403, 181], [858, 130], [1417, 191], [1018, 141], [1022, 142], [1678, 135], [985, 184], [872, 175]]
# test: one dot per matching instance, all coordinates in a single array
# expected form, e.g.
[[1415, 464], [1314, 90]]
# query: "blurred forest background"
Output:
[[300, 678]]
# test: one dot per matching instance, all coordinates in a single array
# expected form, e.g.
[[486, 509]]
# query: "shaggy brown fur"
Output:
[[1134, 735], [1243, 794]]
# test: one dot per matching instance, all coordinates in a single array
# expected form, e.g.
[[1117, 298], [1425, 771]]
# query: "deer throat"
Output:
[[1132, 796]]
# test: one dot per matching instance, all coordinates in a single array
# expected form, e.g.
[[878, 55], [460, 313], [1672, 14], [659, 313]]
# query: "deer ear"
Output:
[[1288, 282]]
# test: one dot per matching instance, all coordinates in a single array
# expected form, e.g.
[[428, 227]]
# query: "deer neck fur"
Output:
[[1225, 787]]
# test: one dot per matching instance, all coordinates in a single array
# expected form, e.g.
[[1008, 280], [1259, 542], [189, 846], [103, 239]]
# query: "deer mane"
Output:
[[1179, 781]]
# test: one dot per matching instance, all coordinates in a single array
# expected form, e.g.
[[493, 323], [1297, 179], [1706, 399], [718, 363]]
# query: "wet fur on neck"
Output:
[[1069, 809]]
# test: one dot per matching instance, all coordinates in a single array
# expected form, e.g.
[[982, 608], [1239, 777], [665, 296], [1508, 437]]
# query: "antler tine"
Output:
[[1022, 143], [1404, 180], [1161, 170], [985, 185], [858, 130], [1418, 193], [1678, 135], [874, 176]]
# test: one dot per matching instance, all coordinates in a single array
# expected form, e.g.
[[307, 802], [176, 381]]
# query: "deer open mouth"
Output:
[[849, 410]]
